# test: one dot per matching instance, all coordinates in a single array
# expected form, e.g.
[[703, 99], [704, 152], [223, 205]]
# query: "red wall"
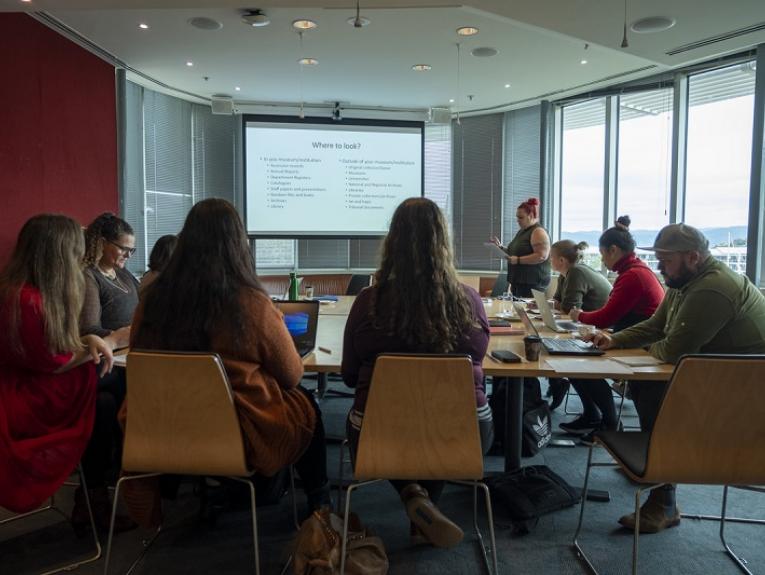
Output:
[[58, 130]]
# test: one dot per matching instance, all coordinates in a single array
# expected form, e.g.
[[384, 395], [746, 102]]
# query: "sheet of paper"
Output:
[[120, 360], [638, 360], [572, 365], [496, 250]]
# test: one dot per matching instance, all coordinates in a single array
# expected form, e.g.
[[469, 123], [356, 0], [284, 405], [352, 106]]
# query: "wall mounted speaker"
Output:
[[222, 105], [440, 115]]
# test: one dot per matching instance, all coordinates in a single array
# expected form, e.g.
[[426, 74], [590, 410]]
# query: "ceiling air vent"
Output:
[[716, 39]]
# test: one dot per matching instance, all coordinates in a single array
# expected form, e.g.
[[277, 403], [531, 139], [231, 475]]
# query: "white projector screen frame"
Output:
[[283, 191]]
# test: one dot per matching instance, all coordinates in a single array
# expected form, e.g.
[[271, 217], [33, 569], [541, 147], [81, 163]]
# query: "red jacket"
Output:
[[636, 291]]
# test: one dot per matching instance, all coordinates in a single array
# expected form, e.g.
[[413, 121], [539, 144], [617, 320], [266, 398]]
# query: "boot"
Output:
[[438, 529], [659, 512], [102, 512]]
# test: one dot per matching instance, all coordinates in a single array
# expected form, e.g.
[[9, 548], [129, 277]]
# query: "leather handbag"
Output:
[[319, 542]]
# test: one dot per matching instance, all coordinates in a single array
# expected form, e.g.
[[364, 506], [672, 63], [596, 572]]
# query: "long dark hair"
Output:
[[618, 236], [47, 256], [106, 227], [418, 296], [199, 291], [161, 252]]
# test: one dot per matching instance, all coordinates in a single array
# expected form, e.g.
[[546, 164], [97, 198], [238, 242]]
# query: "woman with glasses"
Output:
[[111, 296]]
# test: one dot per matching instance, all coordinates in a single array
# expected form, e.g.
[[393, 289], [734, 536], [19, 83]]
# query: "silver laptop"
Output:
[[302, 319], [555, 346], [547, 314]]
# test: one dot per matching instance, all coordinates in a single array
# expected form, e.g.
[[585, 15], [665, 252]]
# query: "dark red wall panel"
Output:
[[58, 130]]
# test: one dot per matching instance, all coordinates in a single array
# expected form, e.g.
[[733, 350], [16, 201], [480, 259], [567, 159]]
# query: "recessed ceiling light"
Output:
[[507, 85], [422, 67], [143, 26], [652, 24], [467, 31], [582, 62], [27, 1], [237, 88], [451, 100], [189, 63], [204, 23], [303, 25], [308, 61], [484, 52]]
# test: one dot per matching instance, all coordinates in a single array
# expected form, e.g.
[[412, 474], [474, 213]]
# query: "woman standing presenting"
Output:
[[528, 264]]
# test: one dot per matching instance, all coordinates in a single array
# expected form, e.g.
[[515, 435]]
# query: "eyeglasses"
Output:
[[123, 249]]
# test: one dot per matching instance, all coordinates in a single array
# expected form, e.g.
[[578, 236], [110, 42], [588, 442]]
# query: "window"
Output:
[[645, 156], [719, 148], [582, 175]]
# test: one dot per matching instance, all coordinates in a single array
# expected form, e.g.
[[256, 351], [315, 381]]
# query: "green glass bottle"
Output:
[[293, 291]]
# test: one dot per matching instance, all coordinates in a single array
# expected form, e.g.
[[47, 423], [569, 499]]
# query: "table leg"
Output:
[[513, 422], [321, 388]]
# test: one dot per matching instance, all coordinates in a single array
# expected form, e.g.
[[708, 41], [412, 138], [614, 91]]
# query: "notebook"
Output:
[[557, 346], [547, 314], [302, 319]]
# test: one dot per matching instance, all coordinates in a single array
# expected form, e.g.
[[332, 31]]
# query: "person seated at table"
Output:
[[417, 305], [158, 259], [635, 296], [111, 295], [579, 286], [708, 308], [209, 299], [48, 403]]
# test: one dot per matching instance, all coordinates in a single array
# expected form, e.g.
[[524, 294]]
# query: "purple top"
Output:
[[363, 342]]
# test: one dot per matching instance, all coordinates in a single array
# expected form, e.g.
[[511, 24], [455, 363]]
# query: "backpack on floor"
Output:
[[537, 424], [529, 493]]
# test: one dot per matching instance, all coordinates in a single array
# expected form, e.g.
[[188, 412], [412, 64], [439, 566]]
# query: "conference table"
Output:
[[328, 354]]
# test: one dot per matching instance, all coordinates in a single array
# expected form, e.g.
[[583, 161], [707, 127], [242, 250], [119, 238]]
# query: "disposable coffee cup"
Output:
[[309, 292], [532, 345]]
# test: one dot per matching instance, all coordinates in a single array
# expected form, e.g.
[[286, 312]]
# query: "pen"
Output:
[[325, 350]]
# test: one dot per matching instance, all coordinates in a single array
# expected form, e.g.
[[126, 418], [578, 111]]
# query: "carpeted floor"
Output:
[[190, 546]]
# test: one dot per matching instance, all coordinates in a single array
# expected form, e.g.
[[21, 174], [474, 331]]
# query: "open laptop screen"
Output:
[[301, 318]]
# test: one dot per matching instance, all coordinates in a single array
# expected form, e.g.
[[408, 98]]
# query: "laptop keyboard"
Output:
[[565, 345]]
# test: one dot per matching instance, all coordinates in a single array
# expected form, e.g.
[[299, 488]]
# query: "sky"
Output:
[[717, 178]]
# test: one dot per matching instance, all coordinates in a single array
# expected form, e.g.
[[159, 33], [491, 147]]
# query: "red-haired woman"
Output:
[[528, 254]]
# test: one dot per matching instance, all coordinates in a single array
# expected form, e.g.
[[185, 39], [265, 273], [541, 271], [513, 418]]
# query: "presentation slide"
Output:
[[338, 179]]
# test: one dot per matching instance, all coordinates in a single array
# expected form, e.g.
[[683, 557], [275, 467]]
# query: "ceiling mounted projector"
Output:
[[256, 18]]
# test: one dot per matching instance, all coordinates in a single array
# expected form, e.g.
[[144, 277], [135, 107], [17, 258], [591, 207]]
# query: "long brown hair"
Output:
[[47, 256], [106, 227], [418, 296], [198, 292]]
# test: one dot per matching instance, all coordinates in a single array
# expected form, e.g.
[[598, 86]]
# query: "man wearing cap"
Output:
[[708, 308]]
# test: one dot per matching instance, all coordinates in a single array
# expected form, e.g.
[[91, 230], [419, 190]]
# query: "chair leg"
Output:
[[491, 568], [340, 469], [577, 547], [741, 562], [347, 514], [251, 486], [636, 534], [146, 543], [565, 404]]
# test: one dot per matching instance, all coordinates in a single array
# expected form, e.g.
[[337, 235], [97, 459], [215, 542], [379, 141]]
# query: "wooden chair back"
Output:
[[181, 416], [420, 420], [711, 425]]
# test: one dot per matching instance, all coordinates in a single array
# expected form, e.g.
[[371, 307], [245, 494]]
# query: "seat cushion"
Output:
[[629, 447]]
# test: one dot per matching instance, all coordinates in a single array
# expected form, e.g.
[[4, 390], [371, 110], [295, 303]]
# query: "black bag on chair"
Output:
[[537, 425]]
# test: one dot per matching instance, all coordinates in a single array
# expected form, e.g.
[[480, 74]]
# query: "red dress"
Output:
[[45, 418]]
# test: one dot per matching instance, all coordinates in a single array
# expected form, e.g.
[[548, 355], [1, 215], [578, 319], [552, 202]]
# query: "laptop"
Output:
[[302, 320], [557, 346], [547, 314]]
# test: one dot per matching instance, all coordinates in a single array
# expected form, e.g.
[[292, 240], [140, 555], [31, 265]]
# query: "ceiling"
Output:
[[540, 47]]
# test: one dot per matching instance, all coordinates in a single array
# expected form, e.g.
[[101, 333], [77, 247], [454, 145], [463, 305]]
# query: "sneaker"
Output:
[[652, 518], [438, 529], [580, 426], [589, 438]]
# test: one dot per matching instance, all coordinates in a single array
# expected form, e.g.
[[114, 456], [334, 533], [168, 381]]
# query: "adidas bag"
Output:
[[537, 429], [530, 492]]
